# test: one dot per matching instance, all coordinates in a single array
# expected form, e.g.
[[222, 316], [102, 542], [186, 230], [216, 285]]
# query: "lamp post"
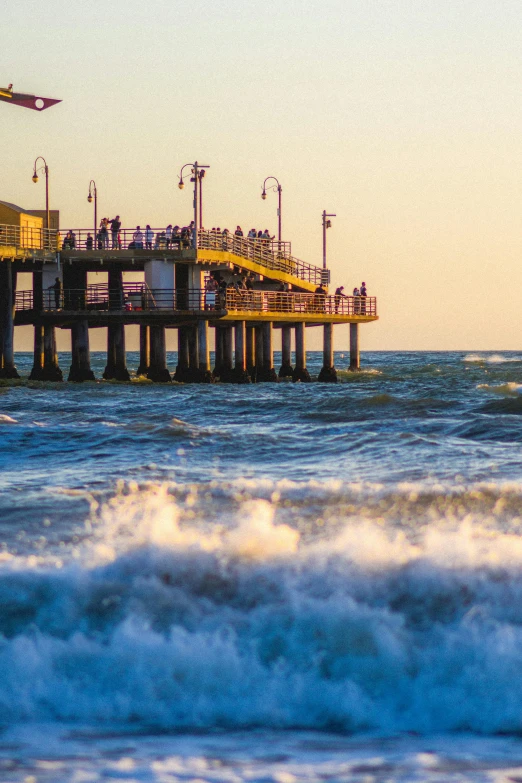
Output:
[[197, 171], [93, 195], [201, 175], [279, 191], [45, 169], [326, 224]]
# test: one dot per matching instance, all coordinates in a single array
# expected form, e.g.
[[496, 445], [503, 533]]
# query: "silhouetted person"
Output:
[[57, 288]]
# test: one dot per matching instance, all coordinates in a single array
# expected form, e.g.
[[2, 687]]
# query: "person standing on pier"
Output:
[[115, 228], [337, 297], [149, 236], [104, 233], [137, 238], [168, 235], [57, 288], [362, 293]]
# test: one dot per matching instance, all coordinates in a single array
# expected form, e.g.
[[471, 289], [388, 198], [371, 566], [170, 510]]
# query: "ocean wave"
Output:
[[496, 358], [161, 621], [5, 419], [508, 389]]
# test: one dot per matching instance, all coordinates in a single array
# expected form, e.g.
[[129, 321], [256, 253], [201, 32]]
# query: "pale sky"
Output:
[[404, 118]]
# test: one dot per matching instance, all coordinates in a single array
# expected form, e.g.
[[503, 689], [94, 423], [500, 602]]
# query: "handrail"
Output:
[[269, 253], [139, 297], [28, 237]]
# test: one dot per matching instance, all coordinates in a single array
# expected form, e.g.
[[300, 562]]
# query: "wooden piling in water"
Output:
[[158, 355], [355, 360]]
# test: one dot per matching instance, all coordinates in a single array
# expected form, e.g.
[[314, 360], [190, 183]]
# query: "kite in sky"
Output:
[[29, 101]]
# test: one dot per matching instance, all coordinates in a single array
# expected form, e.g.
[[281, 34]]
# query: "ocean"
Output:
[[279, 583]]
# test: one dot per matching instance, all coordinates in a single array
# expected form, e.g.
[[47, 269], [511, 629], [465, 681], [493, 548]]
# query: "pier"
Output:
[[187, 286]]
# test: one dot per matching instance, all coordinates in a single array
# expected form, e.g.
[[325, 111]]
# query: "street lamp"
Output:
[[279, 191], [45, 169], [326, 224], [197, 171], [93, 194]]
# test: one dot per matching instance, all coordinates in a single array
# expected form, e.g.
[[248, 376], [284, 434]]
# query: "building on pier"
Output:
[[174, 294]]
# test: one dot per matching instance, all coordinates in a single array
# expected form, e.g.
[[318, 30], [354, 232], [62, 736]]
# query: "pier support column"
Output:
[[51, 368], [205, 376], [250, 350], [144, 350], [355, 362], [80, 353], [116, 368], [258, 373], [239, 374], [218, 353], [38, 355], [228, 354], [300, 373], [158, 355], [182, 374], [328, 372], [7, 306], [193, 349], [286, 370], [267, 374], [38, 360], [115, 284]]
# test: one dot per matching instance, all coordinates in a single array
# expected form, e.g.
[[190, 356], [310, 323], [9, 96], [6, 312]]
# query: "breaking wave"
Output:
[[401, 611]]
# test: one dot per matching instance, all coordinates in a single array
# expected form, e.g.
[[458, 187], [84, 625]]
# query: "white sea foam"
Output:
[[495, 358], [175, 623], [5, 419], [508, 389]]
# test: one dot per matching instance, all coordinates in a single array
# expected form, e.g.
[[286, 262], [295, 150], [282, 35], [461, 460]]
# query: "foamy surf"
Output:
[[368, 627]]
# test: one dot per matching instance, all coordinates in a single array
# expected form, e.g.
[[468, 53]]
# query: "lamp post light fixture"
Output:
[[279, 191], [197, 171], [326, 224], [93, 196], [45, 169]]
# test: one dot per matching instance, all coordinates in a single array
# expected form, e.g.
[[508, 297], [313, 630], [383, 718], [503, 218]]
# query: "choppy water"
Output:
[[290, 582]]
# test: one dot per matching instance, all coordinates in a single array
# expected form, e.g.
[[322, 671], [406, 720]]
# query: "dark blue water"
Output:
[[269, 582]]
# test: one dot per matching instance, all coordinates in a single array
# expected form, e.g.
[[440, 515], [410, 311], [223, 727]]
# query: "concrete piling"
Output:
[[204, 374], [7, 305], [328, 372], [250, 350], [116, 368], [286, 370], [144, 350], [80, 353], [182, 374], [240, 374], [158, 355], [300, 372], [355, 361], [267, 372]]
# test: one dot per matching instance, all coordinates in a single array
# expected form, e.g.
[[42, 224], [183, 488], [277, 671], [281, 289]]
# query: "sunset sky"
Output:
[[404, 118]]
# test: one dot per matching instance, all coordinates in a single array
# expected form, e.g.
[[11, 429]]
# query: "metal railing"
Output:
[[269, 253], [84, 240], [28, 238], [138, 297], [283, 302]]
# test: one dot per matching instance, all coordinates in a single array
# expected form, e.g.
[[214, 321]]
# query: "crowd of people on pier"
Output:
[[109, 237]]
